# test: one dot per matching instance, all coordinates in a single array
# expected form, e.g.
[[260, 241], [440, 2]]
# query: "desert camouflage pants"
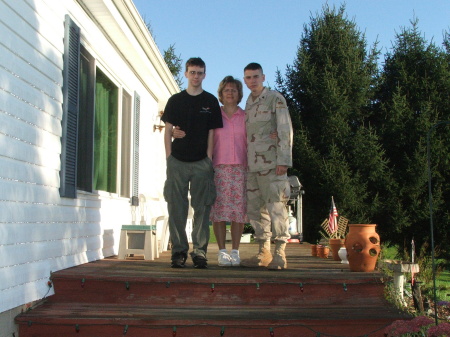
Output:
[[267, 195]]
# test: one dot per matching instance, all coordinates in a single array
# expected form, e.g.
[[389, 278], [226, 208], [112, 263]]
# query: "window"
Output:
[[105, 134], [93, 123]]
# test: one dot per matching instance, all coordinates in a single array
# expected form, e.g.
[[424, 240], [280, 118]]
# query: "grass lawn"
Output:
[[442, 279], [212, 237]]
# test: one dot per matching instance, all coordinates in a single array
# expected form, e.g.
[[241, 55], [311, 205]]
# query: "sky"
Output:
[[229, 34]]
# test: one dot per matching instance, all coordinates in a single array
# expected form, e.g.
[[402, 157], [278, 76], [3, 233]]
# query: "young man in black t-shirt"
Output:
[[189, 165]]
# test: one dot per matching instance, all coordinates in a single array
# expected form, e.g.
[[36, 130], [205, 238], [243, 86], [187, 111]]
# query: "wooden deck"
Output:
[[314, 295], [300, 265]]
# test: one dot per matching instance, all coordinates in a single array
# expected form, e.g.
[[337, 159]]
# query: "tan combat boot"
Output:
[[262, 259], [279, 257]]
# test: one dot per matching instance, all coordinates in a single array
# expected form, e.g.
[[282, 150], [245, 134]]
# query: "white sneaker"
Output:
[[235, 259], [224, 259]]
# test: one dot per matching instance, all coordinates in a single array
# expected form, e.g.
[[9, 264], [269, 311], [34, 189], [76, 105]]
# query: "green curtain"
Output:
[[105, 142]]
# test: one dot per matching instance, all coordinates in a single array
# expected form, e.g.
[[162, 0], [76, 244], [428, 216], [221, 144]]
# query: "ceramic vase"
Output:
[[363, 247], [335, 245], [343, 255]]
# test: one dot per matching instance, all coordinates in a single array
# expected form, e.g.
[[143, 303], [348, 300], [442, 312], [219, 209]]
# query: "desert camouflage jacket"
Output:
[[268, 113]]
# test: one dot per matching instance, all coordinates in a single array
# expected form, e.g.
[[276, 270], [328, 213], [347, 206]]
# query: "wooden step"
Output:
[[133, 297], [111, 320], [213, 292]]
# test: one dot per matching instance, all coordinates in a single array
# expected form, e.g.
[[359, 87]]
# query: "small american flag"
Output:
[[332, 220]]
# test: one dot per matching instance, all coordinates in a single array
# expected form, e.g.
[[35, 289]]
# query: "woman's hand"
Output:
[[178, 133]]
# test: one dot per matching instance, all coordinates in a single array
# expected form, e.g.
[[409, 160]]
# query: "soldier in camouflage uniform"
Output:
[[268, 187]]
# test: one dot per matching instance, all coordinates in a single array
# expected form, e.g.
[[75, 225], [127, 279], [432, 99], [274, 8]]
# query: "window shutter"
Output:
[[137, 114], [68, 173]]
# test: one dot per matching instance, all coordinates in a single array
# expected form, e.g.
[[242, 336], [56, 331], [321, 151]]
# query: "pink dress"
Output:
[[230, 169]]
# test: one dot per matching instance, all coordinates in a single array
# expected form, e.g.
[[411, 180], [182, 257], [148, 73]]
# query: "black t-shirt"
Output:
[[195, 115]]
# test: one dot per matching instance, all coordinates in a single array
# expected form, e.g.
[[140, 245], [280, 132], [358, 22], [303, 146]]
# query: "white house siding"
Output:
[[41, 232]]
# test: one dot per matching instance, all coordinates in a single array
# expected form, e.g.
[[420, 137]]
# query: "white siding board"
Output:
[[28, 133], [21, 293], [19, 88], [29, 193], [32, 75], [19, 212], [12, 169], [21, 52], [27, 113], [18, 149], [29, 233], [24, 273], [22, 28], [19, 255], [49, 30]]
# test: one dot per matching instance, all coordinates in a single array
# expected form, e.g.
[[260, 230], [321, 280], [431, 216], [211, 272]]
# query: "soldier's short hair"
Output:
[[195, 61], [254, 66], [230, 80]]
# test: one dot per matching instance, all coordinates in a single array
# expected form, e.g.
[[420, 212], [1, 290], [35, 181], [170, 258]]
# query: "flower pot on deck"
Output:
[[363, 247], [335, 245], [314, 250]]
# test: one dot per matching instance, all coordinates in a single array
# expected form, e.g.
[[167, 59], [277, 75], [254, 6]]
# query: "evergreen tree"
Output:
[[173, 61], [413, 96], [330, 90], [175, 64]]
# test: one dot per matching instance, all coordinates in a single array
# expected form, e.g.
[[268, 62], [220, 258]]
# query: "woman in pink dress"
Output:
[[230, 172]]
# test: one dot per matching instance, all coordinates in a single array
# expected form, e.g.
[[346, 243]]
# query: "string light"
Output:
[[345, 287], [301, 287], [127, 285], [212, 287], [257, 286], [222, 328], [168, 284], [83, 281]]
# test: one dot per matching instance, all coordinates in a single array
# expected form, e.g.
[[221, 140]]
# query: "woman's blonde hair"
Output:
[[230, 80]]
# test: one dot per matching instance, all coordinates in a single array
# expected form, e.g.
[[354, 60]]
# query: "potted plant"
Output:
[[336, 239]]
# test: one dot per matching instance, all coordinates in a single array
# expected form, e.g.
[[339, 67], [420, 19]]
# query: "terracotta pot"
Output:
[[363, 247], [319, 250], [335, 245], [313, 250], [325, 252]]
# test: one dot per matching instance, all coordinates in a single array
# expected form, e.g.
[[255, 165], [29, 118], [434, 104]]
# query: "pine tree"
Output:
[[175, 64], [413, 96], [330, 90]]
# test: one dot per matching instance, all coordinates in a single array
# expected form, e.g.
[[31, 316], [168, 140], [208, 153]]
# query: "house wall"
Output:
[[40, 232]]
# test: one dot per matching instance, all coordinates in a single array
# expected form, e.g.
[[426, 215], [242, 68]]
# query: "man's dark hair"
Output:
[[253, 66], [195, 61]]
